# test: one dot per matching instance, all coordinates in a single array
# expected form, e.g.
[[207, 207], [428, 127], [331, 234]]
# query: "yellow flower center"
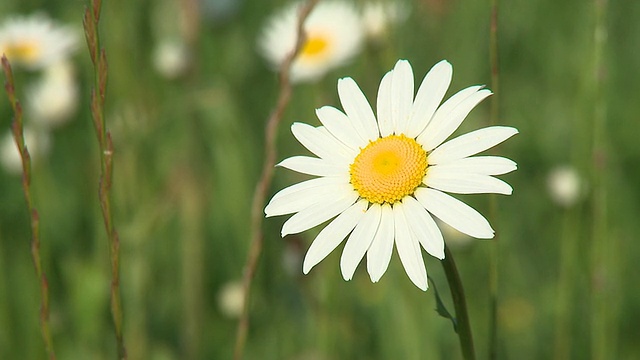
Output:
[[314, 46], [388, 169], [23, 51]]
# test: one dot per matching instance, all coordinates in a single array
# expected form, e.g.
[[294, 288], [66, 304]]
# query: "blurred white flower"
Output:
[[36, 41], [38, 143], [383, 178], [334, 36], [565, 185], [231, 299], [171, 58], [54, 99], [378, 17]]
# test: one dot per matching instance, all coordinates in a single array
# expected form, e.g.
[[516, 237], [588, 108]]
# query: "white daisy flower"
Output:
[[378, 17], [565, 185], [35, 41], [53, 100], [38, 143], [231, 299], [334, 35], [171, 58], [383, 178]]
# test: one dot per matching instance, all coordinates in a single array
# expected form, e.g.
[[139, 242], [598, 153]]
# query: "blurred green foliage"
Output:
[[188, 153]]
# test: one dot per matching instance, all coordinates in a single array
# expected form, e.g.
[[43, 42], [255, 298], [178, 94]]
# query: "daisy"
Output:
[[35, 41], [53, 100], [334, 35], [378, 17], [38, 143], [384, 178], [565, 185]]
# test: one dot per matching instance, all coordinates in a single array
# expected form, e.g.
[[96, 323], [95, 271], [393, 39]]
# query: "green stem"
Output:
[[493, 206], [459, 304], [260, 194], [98, 93], [601, 266], [567, 273], [18, 135]]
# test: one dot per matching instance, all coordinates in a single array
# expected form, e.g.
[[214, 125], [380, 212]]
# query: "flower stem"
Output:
[[18, 136], [99, 60], [493, 206], [459, 304], [603, 244], [264, 183]]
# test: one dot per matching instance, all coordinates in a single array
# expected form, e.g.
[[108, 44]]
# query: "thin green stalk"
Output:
[[493, 204], [18, 136], [260, 194], [600, 266], [99, 60], [192, 207], [566, 279], [459, 304]]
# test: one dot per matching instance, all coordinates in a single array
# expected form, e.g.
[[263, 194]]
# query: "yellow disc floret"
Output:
[[314, 46], [388, 169], [24, 52]]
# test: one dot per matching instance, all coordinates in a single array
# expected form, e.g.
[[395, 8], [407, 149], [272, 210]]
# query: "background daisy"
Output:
[[334, 35], [36, 41], [53, 99], [383, 177]]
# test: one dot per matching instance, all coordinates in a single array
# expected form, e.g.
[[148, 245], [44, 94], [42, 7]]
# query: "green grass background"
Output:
[[188, 154]]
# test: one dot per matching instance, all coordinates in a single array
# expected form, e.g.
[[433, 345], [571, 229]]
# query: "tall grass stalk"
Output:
[[601, 335], [493, 205], [99, 60], [566, 280], [260, 194], [18, 136]]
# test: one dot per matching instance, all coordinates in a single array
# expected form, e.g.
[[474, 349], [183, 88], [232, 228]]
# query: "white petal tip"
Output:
[[375, 278]]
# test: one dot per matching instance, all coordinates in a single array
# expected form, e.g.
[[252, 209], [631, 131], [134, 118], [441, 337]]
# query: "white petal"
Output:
[[359, 241], [337, 145], [301, 200], [385, 120], [322, 144], [313, 166], [450, 115], [409, 249], [464, 183], [424, 227], [357, 107], [484, 165], [470, 144], [402, 95], [333, 234], [429, 96], [303, 186], [454, 212], [316, 215], [340, 126], [381, 248]]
